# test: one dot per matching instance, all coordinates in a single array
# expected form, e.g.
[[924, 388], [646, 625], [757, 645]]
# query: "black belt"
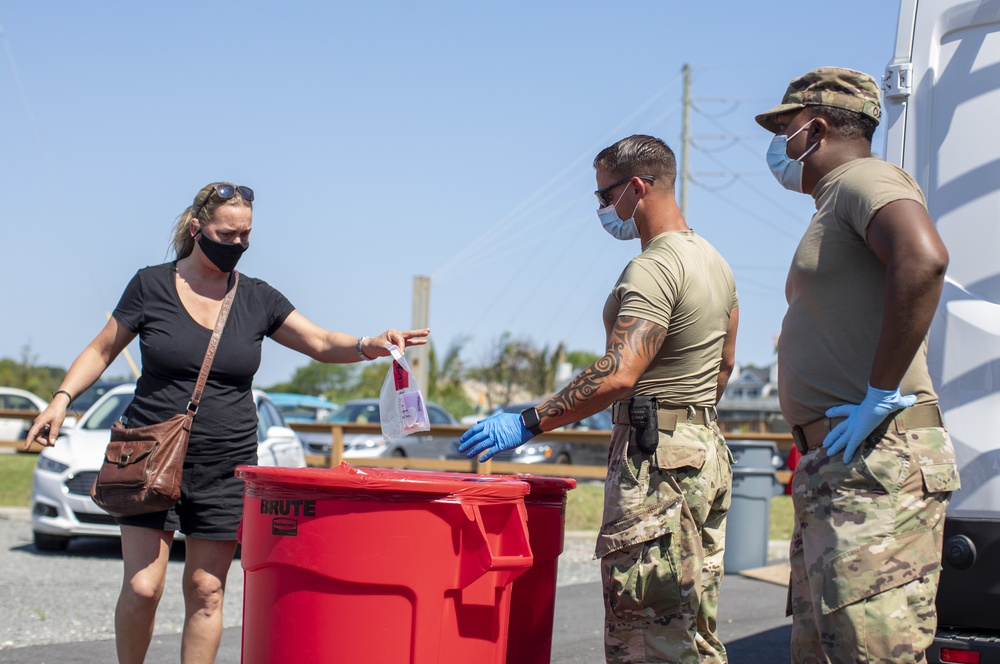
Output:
[[811, 436], [668, 416]]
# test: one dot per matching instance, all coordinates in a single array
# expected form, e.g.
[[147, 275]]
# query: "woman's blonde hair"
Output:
[[202, 211]]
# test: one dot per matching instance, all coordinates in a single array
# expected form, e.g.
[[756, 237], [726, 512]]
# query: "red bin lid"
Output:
[[540, 484], [346, 479]]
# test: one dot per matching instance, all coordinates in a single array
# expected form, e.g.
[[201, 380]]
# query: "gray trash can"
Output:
[[755, 482]]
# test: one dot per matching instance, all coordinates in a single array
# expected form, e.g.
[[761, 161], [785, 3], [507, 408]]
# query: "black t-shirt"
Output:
[[173, 347]]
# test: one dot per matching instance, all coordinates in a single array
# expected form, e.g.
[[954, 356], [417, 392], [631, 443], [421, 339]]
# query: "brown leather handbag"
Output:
[[143, 466]]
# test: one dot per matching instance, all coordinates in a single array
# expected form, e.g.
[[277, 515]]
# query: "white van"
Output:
[[941, 95]]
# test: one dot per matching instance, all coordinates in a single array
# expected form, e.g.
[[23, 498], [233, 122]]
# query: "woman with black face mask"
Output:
[[173, 308]]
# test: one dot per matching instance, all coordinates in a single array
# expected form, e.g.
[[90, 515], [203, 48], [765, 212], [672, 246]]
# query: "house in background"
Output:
[[750, 402]]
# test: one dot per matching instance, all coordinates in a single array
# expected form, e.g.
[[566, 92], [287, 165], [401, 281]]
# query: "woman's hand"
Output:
[[376, 346], [45, 429]]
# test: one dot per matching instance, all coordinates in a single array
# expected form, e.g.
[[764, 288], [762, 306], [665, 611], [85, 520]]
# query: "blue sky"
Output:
[[394, 139]]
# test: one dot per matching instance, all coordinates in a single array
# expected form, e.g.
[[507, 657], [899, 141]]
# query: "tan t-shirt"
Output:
[[681, 283], [835, 291]]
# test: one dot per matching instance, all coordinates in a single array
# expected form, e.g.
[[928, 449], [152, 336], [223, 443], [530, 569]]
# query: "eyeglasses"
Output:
[[225, 192], [602, 194]]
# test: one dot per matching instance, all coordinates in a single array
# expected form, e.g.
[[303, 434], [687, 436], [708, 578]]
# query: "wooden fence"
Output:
[[337, 431]]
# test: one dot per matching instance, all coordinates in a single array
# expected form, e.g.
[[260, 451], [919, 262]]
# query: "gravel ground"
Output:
[[68, 597]]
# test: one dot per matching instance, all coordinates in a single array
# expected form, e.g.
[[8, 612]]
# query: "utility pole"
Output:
[[685, 139], [419, 357]]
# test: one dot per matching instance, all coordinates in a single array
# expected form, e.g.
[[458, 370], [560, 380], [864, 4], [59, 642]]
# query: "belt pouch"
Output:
[[642, 416]]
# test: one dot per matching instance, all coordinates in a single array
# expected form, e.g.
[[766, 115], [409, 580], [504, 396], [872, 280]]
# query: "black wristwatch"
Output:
[[529, 417]]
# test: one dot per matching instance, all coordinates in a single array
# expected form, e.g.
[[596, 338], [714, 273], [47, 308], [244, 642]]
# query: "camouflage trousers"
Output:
[[866, 549], [661, 546]]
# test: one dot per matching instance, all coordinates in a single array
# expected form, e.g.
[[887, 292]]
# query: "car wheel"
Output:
[[563, 459], [45, 542], [398, 453]]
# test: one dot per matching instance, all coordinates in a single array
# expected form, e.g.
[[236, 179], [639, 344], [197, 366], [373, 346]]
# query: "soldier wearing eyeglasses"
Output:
[[671, 324]]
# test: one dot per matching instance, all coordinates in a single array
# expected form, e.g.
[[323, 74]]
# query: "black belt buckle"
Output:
[[643, 420], [799, 438]]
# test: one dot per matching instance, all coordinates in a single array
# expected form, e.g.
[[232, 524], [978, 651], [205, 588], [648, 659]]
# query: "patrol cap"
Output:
[[827, 86]]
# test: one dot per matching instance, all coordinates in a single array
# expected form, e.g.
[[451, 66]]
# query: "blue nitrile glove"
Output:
[[504, 431], [862, 419]]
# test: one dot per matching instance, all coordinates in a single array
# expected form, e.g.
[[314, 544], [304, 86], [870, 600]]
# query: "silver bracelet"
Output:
[[361, 353]]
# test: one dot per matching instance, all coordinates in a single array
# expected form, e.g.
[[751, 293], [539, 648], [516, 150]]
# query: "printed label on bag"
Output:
[[409, 409], [400, 376]]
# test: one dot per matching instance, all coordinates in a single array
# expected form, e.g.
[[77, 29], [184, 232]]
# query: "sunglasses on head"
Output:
[[225, 192], [602, 194]]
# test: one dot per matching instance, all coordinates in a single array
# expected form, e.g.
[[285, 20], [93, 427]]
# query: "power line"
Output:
[[761, 268], [770, 288], [729, 111], [753, 215], [507, 219], [755, 190], [46, 161], [501, 237], [732, 180], [96, 289], [685, 140]]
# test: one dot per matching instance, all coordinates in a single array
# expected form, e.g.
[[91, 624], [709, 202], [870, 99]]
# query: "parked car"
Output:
[[302, 407], [61, 506], [12, 398], [426, 444], [89, 396], [554, 451]]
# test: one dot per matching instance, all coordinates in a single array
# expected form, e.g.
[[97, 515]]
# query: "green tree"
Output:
[[23, 374], [509, 366], [369, 383], [337, 382], [319, 378], [581, 359], [445, 379]]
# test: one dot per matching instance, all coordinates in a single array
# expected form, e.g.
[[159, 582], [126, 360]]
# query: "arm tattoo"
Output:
[[632, 338]]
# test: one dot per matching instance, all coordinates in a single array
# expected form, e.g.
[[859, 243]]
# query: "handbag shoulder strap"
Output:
[[206, 364]]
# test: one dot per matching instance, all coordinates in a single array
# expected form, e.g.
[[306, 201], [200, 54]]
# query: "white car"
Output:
[[12, 398], [61, 506]]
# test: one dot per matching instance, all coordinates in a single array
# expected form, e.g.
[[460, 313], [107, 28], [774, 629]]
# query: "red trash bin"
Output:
[[794, 456], [379, 565], [533, 596]]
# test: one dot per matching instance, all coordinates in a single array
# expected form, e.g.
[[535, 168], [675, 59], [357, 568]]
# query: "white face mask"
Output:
[[787, 171], [613, 224]]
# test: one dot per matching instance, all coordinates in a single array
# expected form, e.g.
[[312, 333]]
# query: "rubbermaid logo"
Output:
[[283, 526]]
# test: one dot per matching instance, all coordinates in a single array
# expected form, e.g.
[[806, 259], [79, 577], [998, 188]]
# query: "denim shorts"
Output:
[[211, 503]]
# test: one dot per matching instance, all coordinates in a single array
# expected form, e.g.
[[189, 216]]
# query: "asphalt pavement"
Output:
[[56, 608], [751, 624]]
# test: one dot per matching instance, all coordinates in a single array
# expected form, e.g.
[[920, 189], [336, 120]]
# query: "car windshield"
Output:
[[600, 420], [108, 412], [354, 412], [304, 412], [90, 396]]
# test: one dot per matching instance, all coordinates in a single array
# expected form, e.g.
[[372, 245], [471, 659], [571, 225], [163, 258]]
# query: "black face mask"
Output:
[[225, 255]]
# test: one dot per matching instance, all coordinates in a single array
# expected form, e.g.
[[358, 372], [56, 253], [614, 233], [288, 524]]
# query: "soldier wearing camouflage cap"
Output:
[[828, 86], [878, 467]]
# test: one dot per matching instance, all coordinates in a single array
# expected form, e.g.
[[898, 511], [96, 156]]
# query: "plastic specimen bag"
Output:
[[401, 405]]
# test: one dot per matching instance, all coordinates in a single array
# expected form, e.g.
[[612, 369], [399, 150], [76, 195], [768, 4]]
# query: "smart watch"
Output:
[[530, 419]]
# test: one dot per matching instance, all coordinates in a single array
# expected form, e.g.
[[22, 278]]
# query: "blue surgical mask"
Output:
[[613, 224], [787, 171]]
